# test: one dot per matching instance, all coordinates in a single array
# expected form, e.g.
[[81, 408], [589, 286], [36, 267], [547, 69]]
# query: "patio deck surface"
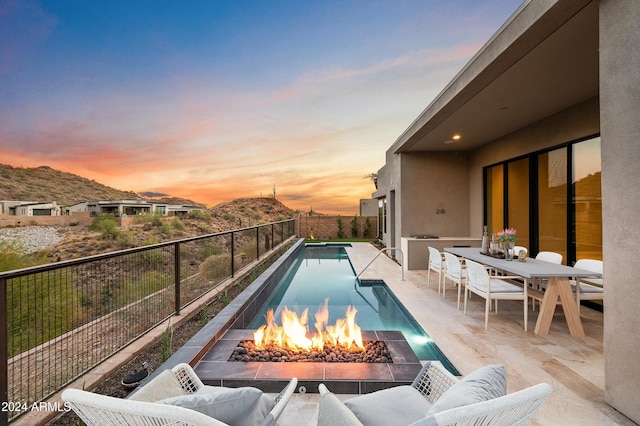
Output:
[[573, 366]]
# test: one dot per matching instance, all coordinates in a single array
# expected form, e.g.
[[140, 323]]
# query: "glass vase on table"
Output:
[[508, 250]]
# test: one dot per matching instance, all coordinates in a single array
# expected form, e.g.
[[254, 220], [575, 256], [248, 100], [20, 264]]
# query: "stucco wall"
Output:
[[435, 188], [620, 113], [323, 227]]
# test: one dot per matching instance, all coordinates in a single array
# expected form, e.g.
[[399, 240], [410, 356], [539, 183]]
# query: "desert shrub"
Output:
[[150, 241], [125, 239], [340, 227], [208, 248], [177, 223], [105, 224], [12, 256], [165, 229], [216, 268], [199, 214], [367, 227], [354, 227]]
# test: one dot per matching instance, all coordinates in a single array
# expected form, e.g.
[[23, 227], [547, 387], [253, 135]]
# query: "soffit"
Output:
[[520, 87]]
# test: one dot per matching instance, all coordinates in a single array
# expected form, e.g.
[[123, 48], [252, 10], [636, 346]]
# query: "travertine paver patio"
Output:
[[573, 366]]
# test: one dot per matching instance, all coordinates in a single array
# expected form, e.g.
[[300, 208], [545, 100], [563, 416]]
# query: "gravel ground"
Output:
[[32, 238]]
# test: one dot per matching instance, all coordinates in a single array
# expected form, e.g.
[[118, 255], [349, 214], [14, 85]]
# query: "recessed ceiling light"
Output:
[[456, 137]]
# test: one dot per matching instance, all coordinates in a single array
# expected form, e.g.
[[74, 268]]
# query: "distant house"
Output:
[[29, 208], [122, 208]]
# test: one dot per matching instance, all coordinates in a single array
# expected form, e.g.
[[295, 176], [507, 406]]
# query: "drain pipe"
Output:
[[376, 256]]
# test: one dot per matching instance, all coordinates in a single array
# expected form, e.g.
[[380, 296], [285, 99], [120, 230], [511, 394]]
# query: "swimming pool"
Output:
[[321, 272]]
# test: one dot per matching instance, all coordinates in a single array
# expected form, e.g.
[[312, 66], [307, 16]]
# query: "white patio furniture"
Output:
[[455, 272], [540, 284], [436, 264], [493, 288], [178, 396], [437, 398], [549, 256], [588, 288]]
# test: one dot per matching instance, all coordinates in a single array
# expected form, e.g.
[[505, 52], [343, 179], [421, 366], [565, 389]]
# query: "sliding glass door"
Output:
[[533, 195]]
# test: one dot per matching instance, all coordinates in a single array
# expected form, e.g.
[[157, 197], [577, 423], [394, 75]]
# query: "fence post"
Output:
[[4, 351], [273, 241], [176, 275], [232, 255], [257, 243]]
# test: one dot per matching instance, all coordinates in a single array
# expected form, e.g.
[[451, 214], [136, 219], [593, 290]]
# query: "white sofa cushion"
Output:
[[399, 405], [333, 412], [245, 406], [164, 385]]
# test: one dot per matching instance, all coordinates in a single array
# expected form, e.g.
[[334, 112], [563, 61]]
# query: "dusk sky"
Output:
[[215, 100]]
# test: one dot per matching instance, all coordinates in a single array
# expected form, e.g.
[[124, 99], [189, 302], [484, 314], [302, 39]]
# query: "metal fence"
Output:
[[61, 319]]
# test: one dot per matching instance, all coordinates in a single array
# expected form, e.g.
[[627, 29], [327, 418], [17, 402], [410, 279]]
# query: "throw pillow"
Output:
[[400, 405], [333, 412], [483, 384], [164, 385], [245, 406]]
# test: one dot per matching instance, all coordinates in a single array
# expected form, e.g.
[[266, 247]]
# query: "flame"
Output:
[[294, 332]]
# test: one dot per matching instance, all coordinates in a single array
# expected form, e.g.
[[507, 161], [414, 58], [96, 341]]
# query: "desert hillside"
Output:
[[45, 184]]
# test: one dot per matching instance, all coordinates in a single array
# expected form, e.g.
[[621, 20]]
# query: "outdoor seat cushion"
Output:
[[482, 385], [400, 405], [164, 385], [333, 412], [246, 406]]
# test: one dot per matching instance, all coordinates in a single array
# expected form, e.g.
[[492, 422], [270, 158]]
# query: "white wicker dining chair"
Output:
[[583, 290], [455, 272], [493, 288], [436, 264], [541, 283]]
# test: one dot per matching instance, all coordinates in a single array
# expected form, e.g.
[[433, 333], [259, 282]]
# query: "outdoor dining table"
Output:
[[557, 286]]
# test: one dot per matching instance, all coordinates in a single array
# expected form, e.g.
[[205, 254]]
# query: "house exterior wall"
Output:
[[577, 122], [614, 115], [619, 113], [435, 188]]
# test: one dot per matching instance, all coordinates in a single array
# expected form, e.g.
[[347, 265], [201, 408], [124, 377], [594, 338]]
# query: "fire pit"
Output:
[[375, 351], [215, 368], [340, 355]]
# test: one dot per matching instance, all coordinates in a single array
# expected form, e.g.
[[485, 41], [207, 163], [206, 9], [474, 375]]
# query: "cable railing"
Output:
[[61, 319]]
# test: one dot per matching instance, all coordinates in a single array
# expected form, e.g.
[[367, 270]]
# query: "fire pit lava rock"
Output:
[[375, 351]]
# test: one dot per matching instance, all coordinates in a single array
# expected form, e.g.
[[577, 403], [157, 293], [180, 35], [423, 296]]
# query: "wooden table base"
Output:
[[559, 287]]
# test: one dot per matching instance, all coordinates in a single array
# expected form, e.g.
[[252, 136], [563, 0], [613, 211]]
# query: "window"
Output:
[[518, 199], [494, 202], [552, 201], [587, 199]]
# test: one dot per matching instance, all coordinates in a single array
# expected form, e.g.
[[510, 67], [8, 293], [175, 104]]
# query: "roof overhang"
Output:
[[543, 60]]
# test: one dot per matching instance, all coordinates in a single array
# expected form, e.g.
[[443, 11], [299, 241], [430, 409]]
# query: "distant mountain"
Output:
[[44, 184]]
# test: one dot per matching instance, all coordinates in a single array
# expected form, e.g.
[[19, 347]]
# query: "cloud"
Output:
[[314, 138]]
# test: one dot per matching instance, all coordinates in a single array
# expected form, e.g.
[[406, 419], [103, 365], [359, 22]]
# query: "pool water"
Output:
[[326, 272]]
